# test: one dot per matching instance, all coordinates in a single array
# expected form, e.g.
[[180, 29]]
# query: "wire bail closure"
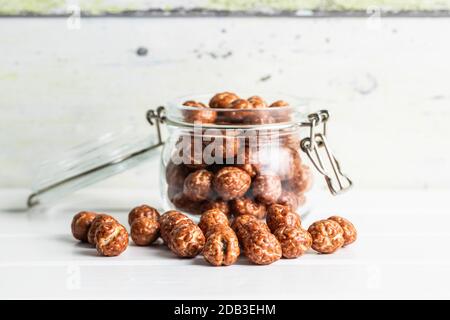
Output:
[[313, 145]]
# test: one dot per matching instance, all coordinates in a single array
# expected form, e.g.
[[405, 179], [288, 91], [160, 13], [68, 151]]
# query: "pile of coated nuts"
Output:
[[244, 177], [217, 237]]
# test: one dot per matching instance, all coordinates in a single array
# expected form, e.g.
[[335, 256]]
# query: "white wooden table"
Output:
[[402, 252]]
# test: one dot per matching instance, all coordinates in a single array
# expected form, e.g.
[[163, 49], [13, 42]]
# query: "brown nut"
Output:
[[350, 233], [99, 220], [231, 182], [198, 185], [189, 152], [279, 215], [267, 188], [186, 240], [281, 115], [288, 163], [182, 202], [240, 105], [175, 175], [222, 100], [257, 102], [262, 248], [245, 225], [242, 206], [81, 223], [203, 115], [219, 146], [290, 199], [169, 220], [302, 181], [222, 248], [327, 236], [294, 241], [144, 231], [143, 211], [217, 204], [279, 103], [211, 218], [247, 161], [111, 239], [257, 117]]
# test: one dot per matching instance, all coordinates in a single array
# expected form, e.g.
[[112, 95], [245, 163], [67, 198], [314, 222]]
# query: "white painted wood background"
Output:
[[386, 82]]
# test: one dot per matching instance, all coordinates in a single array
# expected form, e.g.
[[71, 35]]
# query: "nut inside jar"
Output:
[[246, 158]]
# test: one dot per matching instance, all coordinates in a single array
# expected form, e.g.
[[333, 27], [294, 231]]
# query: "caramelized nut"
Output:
[[198, 185], [222, 248], [98, 221], [144, 231], [327, 236], [294, 241], [211, 218], [262, 248], [231, 182], [242, 206], [111, 239], [143, 211], [267, 188], [279, 215], [350, 233], [186, 240], [203, 115], [222, 100], [81, 223]]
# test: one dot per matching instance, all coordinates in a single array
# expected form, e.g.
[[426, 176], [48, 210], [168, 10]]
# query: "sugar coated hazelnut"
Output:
[[267, 188], [294, 241], [203, 115], [142, 211], [257, 102], [302, 180], [217, 204], [221, 247], [99, 220], [327, 236], [222, 100], [111, 239], [290, 199], [175, 175], [246, 225], [220, 146], [242, 206], [186, 240], [198, 185], [144, 231], [231, 182], [350, 233], [169, 220], [211, 218], [279, 103], [182, 202], [262, 248], [81, 223], [279, 215]]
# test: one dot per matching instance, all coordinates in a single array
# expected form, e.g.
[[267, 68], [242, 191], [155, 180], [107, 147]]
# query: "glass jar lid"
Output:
[[91, 162]]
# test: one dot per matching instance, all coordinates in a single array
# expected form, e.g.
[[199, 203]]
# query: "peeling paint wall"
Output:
[[385, 83], [177, 7]]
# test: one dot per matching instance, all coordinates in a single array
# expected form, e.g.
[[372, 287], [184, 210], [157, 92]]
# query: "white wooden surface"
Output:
[[385, 81], [402, 252]]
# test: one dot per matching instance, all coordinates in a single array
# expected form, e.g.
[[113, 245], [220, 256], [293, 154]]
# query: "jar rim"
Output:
[[297, 108]]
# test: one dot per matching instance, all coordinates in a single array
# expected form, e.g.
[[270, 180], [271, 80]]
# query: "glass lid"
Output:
[[91, 162]]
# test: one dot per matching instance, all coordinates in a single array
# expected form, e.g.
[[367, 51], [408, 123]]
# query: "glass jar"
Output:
[[239, 154]]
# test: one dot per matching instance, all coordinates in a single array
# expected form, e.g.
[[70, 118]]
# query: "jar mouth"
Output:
[[178, 114]]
